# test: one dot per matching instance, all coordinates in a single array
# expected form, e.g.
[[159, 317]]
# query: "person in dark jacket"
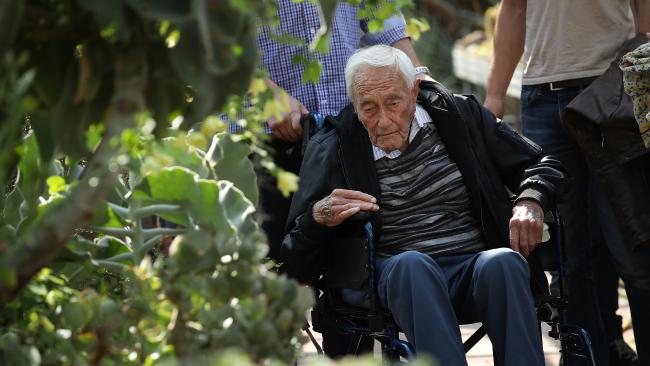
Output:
[[456, 204]]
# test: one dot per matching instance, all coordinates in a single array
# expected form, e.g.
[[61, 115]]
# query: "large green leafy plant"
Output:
[[117, 246], [127, 228], [111, 297]]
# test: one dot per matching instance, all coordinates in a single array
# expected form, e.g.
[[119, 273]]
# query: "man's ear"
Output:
[[416, 88]]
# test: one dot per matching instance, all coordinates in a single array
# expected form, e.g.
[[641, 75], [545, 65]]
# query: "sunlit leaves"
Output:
[[415, 27], [257, 86], [231, 163], [113, 286], [94, 136], [276, 108], [55, 184], [287, 183]]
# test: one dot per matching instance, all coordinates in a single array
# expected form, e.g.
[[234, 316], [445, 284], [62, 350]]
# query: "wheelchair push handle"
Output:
[[311, 123], [360, 217]]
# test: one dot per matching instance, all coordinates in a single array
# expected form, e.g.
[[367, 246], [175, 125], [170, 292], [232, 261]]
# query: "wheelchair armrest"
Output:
[[347, 263]]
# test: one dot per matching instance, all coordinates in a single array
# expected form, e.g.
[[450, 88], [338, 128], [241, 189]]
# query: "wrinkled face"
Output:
[[385, 106]]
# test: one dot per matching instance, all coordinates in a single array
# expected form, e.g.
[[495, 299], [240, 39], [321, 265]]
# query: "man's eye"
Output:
[[368, 110]]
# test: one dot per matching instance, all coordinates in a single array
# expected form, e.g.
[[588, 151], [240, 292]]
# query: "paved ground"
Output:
[[481, 354]]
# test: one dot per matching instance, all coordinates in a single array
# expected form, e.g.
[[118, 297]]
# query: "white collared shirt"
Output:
[[420, 118]]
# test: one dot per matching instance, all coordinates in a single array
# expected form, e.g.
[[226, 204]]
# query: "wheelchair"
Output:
[[347, 298]]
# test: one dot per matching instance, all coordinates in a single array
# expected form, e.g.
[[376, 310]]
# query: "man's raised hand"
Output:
[[342, 204]]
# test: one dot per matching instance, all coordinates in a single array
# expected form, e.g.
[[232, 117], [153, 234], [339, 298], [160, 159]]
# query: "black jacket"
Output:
[[493, 159], [602, 120]]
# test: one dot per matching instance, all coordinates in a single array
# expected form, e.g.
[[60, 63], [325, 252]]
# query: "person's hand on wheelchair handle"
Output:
[[526, 226], [287, 127], [342, 204]]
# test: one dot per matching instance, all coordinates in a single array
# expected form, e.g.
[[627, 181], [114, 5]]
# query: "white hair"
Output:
[[379, 56]]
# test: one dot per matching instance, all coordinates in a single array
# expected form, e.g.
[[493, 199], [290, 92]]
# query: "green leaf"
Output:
[[415, 27], [287, 183], [239, 210], [287, 39], [312, 72], [106, 217], [232, 163], [13, 353], [56, 184], [375, 25], [385, 10], [195, 252], [169, 185], [94, 136], [182, 155], [31, 181], [206, 209], [42, 125], [174, 184], [75, 314], [323, 44]]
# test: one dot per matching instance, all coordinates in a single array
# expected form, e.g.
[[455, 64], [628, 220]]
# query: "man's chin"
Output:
[[389, 147], [390, 144]]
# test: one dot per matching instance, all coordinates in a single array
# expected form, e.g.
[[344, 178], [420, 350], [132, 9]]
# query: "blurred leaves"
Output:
[[167, 268], [11, 13], [415, 27]]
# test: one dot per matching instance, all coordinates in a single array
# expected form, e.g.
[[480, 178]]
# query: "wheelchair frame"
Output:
[[377, 322]]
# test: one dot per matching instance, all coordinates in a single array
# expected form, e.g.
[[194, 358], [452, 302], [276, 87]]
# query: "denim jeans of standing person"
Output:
[[541, 114], [634, 268]]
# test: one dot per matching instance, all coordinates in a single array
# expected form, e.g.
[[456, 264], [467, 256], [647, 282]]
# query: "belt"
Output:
[[568, 84]]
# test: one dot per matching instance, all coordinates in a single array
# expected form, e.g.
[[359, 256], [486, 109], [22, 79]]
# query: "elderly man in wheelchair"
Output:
[[456, 199]]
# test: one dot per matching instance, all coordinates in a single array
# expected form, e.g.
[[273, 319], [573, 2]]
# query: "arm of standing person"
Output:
[[394, 34], [406, 45], [509, 38], [642, 16], [287, 127]]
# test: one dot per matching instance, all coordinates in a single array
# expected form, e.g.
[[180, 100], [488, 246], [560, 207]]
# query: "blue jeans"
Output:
[[541, 115], [634, 268]]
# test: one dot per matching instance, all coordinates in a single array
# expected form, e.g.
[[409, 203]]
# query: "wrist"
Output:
[[422, 70], [495, 96]]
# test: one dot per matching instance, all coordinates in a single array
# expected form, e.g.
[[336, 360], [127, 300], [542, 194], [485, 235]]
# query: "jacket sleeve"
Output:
[[303, 242], [521, 163]]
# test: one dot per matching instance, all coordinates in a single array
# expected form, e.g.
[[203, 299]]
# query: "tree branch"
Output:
[[39, 246]]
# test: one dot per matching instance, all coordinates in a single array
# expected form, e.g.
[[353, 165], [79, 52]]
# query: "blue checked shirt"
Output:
[[348, 32]]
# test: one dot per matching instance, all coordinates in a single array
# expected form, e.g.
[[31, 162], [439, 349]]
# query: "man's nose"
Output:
[[383, 119]]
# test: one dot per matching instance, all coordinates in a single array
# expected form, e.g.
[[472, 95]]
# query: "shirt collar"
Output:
[[420, 118]]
